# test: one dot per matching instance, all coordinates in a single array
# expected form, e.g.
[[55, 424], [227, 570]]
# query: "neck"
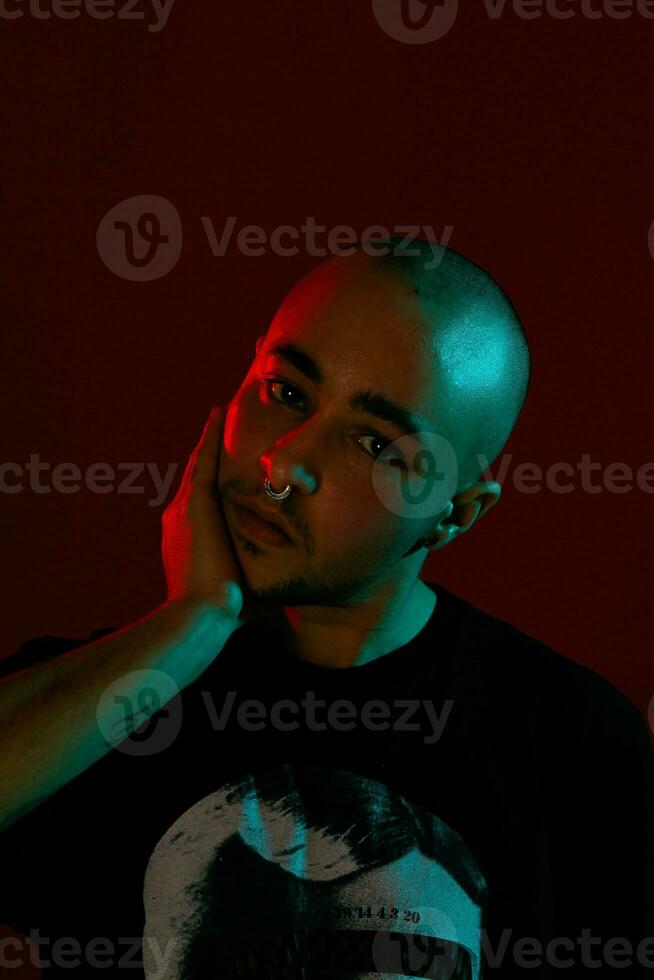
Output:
[[355, 635]]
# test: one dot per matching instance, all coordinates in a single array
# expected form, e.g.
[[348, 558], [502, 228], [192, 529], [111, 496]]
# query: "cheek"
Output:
[[235, 449], [353, 520], [242, 422], [373, 523]]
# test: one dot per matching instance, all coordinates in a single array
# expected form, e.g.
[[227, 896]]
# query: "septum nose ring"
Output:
[[276, 495]]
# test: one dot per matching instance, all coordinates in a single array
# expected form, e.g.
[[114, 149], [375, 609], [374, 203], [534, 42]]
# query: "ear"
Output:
[[465, 508]]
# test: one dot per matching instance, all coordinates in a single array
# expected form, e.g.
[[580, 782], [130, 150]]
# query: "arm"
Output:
[[55, 715]]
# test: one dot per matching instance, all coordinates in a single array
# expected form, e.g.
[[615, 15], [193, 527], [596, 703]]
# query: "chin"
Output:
[[263, 572]]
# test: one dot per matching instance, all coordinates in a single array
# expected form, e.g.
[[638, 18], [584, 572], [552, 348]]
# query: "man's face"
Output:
[[361, 328]]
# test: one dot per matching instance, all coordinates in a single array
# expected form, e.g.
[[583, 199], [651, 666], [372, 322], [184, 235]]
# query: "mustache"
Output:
[[239, 488]]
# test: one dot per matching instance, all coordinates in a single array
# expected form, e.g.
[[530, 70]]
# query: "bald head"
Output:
[[473, 331], [473, 354]]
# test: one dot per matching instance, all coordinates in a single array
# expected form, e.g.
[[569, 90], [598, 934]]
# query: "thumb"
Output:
[[233, 598]]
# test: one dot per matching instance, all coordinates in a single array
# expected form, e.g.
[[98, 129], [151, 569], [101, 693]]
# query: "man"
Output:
[[297, 631]]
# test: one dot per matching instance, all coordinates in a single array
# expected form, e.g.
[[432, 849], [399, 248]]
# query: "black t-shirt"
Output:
[[447, 810]]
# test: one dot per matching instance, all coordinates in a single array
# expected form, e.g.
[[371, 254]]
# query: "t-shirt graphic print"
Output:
[[310, 872]]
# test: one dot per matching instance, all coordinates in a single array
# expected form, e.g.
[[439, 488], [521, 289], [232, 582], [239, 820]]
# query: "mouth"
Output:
[[258, 528]]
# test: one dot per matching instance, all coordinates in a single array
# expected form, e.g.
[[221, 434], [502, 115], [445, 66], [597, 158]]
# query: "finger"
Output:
[[215, 413], [208, 449], [209, 435]]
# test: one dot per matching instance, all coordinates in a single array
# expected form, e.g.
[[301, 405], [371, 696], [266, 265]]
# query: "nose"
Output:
[[287, 463]]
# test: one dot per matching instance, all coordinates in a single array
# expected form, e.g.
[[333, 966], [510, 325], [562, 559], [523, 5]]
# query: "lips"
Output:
[[269, 525]]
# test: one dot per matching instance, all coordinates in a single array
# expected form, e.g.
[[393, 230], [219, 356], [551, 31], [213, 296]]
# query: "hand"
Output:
[[198, 556]]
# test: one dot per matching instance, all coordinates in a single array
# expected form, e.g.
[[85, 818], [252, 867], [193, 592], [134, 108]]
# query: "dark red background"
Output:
[[533, 138]]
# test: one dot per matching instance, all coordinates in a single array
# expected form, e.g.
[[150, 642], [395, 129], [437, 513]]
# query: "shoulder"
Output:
[[519, 673], [38, 649]]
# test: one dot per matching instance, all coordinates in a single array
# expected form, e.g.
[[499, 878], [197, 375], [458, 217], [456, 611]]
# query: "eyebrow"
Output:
[[368, 401]]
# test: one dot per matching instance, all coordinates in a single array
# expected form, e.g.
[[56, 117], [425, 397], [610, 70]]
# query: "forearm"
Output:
[[57, 717]]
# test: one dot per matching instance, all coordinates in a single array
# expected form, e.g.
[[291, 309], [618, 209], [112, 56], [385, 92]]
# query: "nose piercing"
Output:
[[276, 495]]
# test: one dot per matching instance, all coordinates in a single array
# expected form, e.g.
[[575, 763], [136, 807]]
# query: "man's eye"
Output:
[[278, 391], [284, 394], [375, 440]]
